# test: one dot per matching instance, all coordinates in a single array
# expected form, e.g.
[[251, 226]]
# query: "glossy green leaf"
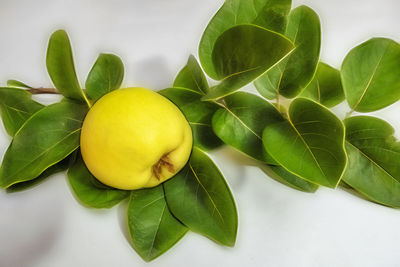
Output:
[[371, 75], [60, 66], [105, 76], [192, 77], [200, 198], [18, 84], [152, 227], [310, 144], [46, 138], [374, 157], [241, 121], [294, 73], [16, 106], [198, 114], [89, 190], [244, 53], [270, 14], [326, 87], [59, 167], [285, 177]]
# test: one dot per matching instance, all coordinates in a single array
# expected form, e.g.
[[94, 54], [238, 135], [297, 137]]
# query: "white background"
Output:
[[278, 226]]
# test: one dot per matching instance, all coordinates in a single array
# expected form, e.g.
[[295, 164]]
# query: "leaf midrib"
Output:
[[242, 122], [370, 80], [373, 162], [308, 148], [43, 152], [158, 228], [209, 196]]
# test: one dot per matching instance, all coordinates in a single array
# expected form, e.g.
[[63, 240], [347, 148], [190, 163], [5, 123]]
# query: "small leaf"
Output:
[[105, 76], [371, 75], [16, 107], [326, 87], [198, 114], [269, 14], [374, 156], [18, 84], [242, 54], [60, 66], [241, 122], [310, 144], [59, 167], [46, 138], [192, 77], [200, 198], [89, 190], [152, 227], [281, 175], [294, 73]]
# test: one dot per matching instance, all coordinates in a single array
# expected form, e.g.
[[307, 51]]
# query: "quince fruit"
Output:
[[134, 138]]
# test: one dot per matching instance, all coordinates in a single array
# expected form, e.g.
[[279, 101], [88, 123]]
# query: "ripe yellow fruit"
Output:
[[133, 138]]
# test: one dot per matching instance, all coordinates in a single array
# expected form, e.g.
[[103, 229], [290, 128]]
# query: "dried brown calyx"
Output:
[[164, 162]]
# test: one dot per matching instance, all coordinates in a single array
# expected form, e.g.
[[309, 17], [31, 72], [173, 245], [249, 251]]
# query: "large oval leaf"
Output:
[[200, 198], [191, 76], [16, 107], [60, 66], [374, 157], [242, 54], [285, 177], [270, 14], [56, 168], [46, 138], [326, 87], [371, 75], [152, 227], [310, 144], [198, 114], [89, 190], [294, 73], [105, 76], [241, 121]]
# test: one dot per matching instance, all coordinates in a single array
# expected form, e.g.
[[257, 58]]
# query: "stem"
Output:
[[42, 90], [348, 114]]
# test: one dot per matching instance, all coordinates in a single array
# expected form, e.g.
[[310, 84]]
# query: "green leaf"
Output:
[[294, 73], [326, 87], [270, 14], [192, 77], [198, 114], [18, 84], [371, 75], [241, 121], [60, 66], [281, 175], [310, 144], [105, 76], [46, 138], [152, 227], [16, 107], [59, 167], [89, 190], [373, 160], [242, 54], [200, 198]]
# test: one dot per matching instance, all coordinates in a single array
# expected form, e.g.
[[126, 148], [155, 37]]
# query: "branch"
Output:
[[42, 90]]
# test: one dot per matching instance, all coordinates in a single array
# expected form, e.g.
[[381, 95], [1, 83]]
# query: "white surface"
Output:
[[278, 226]]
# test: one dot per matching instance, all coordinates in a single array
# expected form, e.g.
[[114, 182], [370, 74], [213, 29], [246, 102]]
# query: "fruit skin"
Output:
[[127, 132]]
